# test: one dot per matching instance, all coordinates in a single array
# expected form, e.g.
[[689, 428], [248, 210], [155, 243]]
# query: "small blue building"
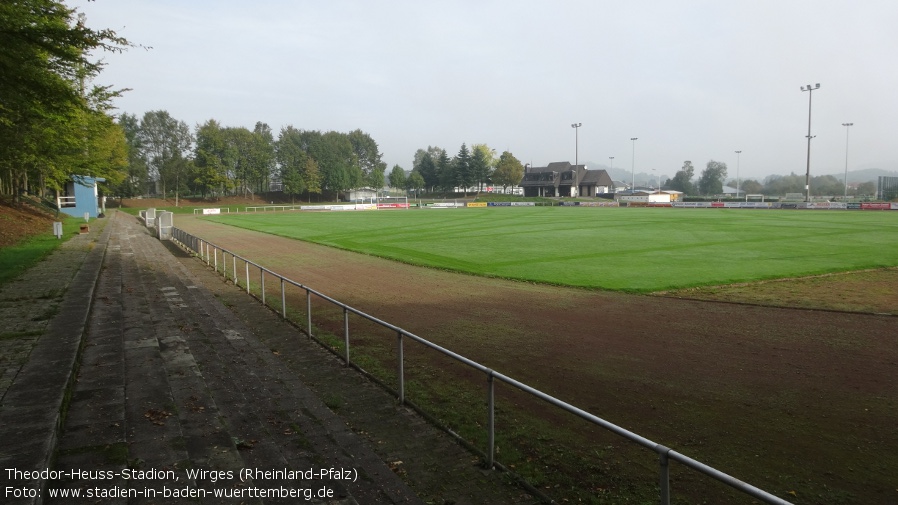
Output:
[[80, 196]]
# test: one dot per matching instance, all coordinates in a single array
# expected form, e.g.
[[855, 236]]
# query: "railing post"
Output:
[[309, 311], [262, 283], [346, 332], [224, 265], [400, 351], [283, 299], [246, 263], [215, 253], [234, 268], [664, 464], [491, 422]]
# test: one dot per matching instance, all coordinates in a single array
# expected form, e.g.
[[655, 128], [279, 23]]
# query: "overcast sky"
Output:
[[693, 80]]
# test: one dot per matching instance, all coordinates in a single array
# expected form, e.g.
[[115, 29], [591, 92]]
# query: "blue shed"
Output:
[[80, 196]]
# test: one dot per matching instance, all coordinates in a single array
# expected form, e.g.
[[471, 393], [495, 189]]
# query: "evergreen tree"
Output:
[[461, 166]]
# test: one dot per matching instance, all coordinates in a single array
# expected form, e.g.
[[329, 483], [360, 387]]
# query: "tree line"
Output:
[[166, 157], [711, 181], [212, 161], [433, 170]]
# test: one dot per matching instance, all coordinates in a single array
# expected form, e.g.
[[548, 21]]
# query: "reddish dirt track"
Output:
[[788, 399]]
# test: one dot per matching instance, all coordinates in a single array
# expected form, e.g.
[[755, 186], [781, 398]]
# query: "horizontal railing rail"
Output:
[[209, 253]]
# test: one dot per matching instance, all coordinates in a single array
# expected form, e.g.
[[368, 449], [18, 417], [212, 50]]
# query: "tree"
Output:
[[425, 163], [751, 187], [445, 173], [414, 182], [293, 160], [710, 182], [682, 180], [483, 159], [47, 114], [336, 160], [866, 189], [135, 179], [376, 179], [509, 171], [240, 170], [826, 185], [461, 169], [782, 184], [427, 170], [105, 153], [163, 139], [397, 177], [367, 156], [213, 155], [260, 157], [312, 177]]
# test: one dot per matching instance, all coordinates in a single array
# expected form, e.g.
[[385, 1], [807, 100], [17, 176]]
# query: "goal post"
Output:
[[392, 202]]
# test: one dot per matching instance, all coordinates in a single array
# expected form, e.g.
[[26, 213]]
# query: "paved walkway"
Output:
[[172, 394]]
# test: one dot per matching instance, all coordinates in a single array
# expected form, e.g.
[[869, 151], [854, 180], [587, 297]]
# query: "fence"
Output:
[[210, 252], [213, 210], [275, 208]]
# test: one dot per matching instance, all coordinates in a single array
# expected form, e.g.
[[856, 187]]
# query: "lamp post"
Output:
[[846, 125], [633, 163], [576, 127], [737, 174], [807, 177]]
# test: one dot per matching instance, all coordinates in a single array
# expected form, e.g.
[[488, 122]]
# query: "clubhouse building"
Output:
[[563, 179]]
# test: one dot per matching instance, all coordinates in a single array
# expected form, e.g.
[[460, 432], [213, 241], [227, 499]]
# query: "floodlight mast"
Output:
[[807, 178], [737, 174], [846, 125], [633, 163], [576, 127]]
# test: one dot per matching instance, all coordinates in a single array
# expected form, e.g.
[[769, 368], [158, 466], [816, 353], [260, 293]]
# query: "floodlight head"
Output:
[[817, 86], [634, 138]]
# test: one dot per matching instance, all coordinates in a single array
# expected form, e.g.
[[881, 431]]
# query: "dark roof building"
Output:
[[563, 179]]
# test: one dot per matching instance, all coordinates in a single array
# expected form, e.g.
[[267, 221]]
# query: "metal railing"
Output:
[[209, 253], [275, 208]]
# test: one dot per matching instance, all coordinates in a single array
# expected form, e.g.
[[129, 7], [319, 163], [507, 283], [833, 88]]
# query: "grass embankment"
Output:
[[632, 250], [38, 243]]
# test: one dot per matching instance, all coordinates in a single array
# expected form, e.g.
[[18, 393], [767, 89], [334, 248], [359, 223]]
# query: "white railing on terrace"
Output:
[[265, 208], [65, 201], [209, 253]]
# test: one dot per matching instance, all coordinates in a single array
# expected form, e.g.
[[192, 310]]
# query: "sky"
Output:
[[691, 80]]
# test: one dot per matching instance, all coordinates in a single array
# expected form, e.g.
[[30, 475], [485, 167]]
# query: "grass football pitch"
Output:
[[635, 250]]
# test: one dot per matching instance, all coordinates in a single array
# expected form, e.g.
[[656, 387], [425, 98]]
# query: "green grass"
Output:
[[634, 250], [17, 258]]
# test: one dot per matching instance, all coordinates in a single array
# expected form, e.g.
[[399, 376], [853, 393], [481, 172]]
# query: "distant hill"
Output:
[[624, 174], [866, 175]]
